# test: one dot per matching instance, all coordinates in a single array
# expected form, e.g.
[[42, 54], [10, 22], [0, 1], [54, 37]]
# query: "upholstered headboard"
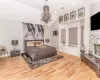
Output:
[[34, 43]]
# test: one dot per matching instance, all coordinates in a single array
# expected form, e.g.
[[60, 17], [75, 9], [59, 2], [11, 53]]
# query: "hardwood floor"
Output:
[[68, 68]]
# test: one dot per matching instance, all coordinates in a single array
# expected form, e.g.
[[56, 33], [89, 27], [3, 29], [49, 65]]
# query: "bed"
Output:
[[37, 54], [37, 51]]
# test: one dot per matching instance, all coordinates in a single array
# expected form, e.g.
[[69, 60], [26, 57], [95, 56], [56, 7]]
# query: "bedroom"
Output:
[[21, 26]]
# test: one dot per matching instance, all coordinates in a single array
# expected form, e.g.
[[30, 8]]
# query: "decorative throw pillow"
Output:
[[39, 43]]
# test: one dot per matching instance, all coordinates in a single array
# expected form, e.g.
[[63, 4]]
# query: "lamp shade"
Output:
[[14, 42]]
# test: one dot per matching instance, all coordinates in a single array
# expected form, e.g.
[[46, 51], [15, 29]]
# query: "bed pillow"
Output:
[[42, 46], [31, 44], [39, 43], [35, 43]]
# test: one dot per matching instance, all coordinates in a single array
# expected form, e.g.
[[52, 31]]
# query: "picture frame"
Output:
[[60, 19], [66, 17], [73, 15], [81, 12]]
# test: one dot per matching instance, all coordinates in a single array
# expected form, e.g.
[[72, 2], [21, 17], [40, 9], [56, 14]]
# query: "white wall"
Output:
[[47, 34], [11, 30], [69, 49], [95, 8], [55, 39], [76, 50]]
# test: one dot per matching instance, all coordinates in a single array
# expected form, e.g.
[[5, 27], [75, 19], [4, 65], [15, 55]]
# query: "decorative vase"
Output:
[[82, 49]]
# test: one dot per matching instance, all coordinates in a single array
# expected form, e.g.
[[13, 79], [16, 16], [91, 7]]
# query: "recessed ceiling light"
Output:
[[73, 3]]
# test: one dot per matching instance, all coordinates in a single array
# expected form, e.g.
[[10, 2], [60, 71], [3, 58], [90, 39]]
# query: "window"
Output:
[[63, 35], [73, 36]]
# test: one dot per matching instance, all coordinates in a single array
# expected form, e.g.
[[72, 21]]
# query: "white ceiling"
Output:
[[13, 10], [55, 5], [30, 10]]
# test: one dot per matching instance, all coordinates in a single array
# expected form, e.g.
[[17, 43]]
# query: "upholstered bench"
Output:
[[92, 62]]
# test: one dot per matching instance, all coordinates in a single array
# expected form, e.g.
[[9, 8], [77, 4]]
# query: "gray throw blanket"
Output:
[[38, 53]]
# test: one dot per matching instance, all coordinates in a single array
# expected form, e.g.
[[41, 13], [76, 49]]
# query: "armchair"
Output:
[[3, 51]]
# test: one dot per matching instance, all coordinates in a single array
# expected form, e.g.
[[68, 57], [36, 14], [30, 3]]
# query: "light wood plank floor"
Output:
[[68, 68]]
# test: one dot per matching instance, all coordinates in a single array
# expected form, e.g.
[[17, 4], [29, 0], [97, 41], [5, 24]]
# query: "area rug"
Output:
[[38, 63]]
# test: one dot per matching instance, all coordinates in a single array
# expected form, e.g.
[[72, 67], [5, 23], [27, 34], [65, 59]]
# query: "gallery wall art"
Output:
[[74, 15], [60, 19], [66, 17], [81, 12]]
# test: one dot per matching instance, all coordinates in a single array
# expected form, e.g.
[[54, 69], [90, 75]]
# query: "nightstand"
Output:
[[14, 53]]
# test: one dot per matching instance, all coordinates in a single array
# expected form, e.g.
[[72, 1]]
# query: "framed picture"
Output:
[[66, 17], [81, 12], [73, 15], [60, 19]]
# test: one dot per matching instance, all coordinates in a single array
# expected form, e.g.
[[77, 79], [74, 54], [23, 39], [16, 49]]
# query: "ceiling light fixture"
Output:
[[46, 16]]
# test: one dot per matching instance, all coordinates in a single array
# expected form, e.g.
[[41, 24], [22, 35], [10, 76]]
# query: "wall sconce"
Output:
[[47, 40]]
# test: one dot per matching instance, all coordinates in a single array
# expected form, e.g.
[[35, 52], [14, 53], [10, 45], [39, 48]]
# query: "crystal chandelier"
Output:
[[46, 16]]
